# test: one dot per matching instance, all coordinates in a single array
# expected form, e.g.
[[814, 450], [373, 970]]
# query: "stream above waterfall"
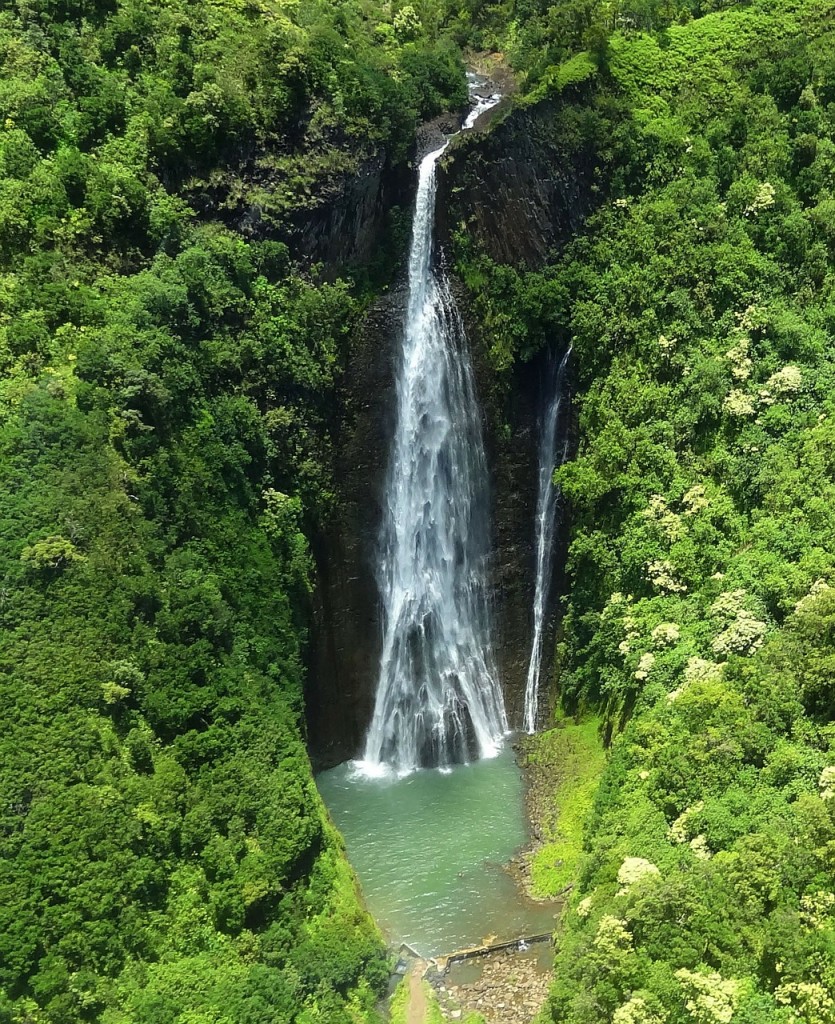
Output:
[[430, 848]]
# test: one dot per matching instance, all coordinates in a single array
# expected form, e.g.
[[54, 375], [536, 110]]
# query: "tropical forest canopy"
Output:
[[167, 390], [164, 438], [700, 621]]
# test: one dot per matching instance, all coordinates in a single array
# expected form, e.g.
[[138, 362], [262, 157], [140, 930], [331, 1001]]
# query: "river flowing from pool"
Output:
[[429, 848]]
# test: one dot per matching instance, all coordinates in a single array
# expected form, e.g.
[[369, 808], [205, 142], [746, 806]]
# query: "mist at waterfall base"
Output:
[[429, 848], [435, 806]]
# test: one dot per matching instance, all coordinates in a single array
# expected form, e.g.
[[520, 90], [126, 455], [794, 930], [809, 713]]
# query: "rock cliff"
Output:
[[520, 191], [346, 633], [522, 188]]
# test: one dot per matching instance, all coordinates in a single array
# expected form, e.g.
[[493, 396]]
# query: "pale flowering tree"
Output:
[[584, 907], [738, 356], [785, 382], [638, 1011], [807, 603], [752, 318], [613, 938], [744, 633], [739, 404], [728, 604], [700, 848], [695, 500], [665, 634], [679, 831], [698, 670], [635, 869], [662, 516], [816, 909], [808, 1001], [662, 576], [764, 198], [826, 783], [709, 998], [645, 665]]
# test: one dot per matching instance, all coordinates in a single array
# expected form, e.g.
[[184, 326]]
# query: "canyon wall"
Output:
[[520, 191]]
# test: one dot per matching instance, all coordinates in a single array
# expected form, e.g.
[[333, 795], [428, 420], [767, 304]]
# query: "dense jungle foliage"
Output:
[[700, 304], [165, 398]]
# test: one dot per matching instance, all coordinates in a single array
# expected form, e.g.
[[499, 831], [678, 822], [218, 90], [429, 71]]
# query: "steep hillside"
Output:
[[699, 302], [197, 203], [165, 436]]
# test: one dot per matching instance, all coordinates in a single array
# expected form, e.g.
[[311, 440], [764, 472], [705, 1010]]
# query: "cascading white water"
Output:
[[546, 508], [438, 699]]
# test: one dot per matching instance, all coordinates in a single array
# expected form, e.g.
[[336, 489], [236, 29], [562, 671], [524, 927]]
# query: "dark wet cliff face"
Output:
[[520, 193], [349, 226], [346, 224], [511, 438], [522, 189], [346, 638], [346, 634]]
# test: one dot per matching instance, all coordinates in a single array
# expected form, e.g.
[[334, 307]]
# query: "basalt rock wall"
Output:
[[520, 193], [347, 634], [523, 188], [349, 224]]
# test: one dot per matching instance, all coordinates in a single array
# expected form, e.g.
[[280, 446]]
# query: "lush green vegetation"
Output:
[[536, 36], [568, 762], [166, 424], [166, 398], [700, 302]]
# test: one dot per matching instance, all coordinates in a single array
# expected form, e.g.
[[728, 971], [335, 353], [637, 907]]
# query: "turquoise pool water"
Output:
[[429, 851]]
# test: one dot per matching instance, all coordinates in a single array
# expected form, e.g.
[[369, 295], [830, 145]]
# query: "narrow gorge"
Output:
[[436, 759], [536, 182]]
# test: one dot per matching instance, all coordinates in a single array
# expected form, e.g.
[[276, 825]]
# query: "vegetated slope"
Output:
[[164, 437], [701, 619]]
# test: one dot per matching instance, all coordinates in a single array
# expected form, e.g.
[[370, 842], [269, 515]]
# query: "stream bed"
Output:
[[429, 850]]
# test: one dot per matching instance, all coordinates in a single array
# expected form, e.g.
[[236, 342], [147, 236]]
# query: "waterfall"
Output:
[[438, 700], [546, 510]]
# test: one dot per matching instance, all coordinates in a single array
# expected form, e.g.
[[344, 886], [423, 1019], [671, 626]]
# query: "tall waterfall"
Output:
[[438, 699], [546, 508]]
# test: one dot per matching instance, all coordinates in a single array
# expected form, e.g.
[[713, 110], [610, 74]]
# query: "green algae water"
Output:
[[429, 851]]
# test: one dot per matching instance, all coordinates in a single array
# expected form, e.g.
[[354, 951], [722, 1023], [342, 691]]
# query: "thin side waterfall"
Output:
[[546, 515], [438, 699]]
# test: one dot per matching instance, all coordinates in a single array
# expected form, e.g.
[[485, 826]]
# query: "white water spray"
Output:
[[438, 699], [546, 509]]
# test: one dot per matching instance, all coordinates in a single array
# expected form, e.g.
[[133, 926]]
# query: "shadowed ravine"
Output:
[[435, 807]]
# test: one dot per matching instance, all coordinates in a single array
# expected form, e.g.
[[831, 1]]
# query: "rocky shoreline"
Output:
[[505, 988], [539, 778]]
